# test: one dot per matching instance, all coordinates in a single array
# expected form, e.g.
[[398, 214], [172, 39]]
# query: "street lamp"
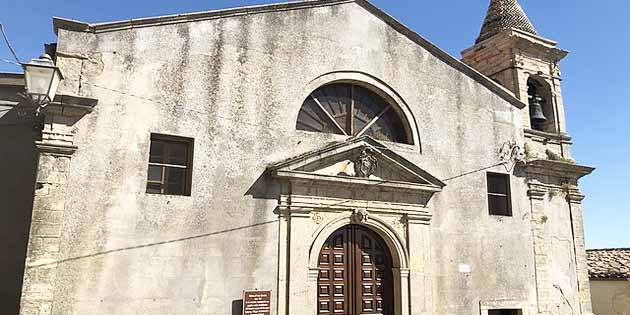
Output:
[[42, 80]]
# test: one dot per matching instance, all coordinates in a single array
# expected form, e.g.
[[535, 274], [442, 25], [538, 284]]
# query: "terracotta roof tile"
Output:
[[609, 263]]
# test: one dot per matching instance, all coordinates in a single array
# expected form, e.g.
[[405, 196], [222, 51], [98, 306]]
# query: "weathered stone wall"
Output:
[[235, 85], [610, 297]]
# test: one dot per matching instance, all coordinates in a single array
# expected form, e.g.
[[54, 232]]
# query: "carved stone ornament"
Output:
[[318, 218], [399, 223], [366, 163], [360, 216], [511, 154]]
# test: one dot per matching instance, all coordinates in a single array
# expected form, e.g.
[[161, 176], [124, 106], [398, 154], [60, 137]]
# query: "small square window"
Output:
[[505, 312], [170, 165], [499, 199]]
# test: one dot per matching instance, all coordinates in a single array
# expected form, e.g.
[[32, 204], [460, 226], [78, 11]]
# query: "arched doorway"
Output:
[[355, 274]]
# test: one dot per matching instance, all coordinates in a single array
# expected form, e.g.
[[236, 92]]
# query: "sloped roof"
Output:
[[611, 263], [78, 26], [503, 15]]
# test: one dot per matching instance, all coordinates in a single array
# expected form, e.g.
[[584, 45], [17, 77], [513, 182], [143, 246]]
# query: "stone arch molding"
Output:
[[393, 240], [374, 84]]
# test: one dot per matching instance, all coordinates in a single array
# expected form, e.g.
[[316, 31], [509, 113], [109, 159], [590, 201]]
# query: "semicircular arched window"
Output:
[[352, 110]]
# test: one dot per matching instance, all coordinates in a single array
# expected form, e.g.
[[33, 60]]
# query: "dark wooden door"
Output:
[[355, 274]]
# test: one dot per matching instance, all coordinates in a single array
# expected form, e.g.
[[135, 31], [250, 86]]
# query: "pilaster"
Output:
[[419, 240], [574, 198], [56, 148], [545, 179], [541, 252]]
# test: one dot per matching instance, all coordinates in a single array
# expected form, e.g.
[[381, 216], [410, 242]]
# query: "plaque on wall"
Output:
[[256, 302]]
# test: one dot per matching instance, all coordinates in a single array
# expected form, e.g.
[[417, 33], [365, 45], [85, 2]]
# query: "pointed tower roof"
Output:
[[502, 15]]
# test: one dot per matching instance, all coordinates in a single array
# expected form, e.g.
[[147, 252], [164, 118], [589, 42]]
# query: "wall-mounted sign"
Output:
[[256, 302]]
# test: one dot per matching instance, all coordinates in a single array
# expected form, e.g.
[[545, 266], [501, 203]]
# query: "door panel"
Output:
[[355, 274]]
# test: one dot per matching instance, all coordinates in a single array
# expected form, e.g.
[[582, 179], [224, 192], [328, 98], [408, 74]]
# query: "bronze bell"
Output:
[[536, 110]]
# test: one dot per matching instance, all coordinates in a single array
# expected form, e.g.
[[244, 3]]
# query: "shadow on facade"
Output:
[[18, 168]]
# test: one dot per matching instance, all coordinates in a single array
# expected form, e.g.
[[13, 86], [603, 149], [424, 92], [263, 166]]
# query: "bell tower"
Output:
[[510, 51]]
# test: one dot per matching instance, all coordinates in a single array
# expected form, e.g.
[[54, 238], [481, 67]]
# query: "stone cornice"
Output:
[[73, 106], [307, 178], [538, 45], [55, 148], [303, 205], [558, 169], [526, 42], [536, 193], [574, 195], [541, 136]]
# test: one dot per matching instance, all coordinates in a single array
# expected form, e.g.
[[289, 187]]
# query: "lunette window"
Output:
[[352, 110], [170, 165], [499, 199]]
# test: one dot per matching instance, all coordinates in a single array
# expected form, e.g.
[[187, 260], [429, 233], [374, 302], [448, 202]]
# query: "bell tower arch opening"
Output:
[[542, 115]]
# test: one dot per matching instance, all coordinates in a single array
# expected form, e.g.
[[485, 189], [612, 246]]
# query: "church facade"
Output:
[[319, 150]]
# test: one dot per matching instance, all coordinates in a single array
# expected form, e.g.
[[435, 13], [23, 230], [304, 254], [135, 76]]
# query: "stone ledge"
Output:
[[71, 106], [542, 136], [558, 169], [53, 148]]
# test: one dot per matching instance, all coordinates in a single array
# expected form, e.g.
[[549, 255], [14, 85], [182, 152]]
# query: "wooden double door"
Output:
[[355, 274]]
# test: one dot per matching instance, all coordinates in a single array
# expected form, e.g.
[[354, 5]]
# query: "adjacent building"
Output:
[[609, 270], [320, 150]]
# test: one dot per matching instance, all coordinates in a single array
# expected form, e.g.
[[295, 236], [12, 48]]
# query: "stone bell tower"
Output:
[[510, 51]]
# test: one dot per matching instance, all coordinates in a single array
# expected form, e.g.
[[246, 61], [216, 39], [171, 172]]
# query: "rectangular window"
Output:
[[170, 165], [499, 200], [505, 312]]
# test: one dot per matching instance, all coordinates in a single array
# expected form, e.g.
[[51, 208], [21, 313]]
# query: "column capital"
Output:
[[536, 192], [574, 195], [423, 218]]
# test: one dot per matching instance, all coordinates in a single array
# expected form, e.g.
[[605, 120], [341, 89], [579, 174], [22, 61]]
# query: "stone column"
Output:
[[49, 205], [541, 259], [574, 198]]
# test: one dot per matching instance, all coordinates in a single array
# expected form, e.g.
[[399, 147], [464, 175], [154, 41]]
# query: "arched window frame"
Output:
[[377, 86]]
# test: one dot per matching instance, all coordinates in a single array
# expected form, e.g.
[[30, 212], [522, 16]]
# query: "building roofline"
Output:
[[607, 249], [11, 79], [73, 25]]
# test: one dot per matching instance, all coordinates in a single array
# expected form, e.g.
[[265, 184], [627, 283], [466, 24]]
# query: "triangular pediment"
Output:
[[360, 161]]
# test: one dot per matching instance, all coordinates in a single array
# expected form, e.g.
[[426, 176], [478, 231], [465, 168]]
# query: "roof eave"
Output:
[[80, 26], [71, 25]]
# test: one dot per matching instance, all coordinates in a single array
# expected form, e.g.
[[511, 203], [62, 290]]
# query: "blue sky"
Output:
[[596, 80]]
